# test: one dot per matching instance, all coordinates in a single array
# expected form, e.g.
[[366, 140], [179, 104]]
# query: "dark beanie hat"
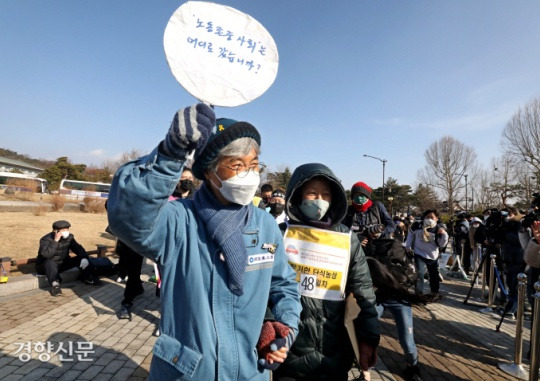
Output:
[[57, 225], [278, 193], [361, 188], [225, 132]]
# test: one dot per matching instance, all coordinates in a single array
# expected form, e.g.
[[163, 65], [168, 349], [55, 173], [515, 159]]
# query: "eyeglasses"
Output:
[[241, 170]]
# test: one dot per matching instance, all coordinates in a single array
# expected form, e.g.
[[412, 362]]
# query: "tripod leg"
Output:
[[507, 309], [475, 277]]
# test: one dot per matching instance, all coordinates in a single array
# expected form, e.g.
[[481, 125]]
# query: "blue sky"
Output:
[[89, 79]]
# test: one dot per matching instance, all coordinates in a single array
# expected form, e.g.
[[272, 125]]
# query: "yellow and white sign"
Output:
[[320, 259], [220, 55]]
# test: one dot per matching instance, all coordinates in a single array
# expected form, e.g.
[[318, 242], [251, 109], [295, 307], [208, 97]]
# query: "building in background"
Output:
[[8, 165]]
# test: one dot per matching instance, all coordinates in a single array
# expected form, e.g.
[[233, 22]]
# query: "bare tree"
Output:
[[485, 196], [503, 182], [527, 185], [447, 162], [278, 178], [521, 136], [113, 165]]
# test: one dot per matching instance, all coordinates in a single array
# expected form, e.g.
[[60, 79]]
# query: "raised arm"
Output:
[[138, 201]]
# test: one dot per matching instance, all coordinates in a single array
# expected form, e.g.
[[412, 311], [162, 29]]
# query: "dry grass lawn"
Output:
[[20, 232]]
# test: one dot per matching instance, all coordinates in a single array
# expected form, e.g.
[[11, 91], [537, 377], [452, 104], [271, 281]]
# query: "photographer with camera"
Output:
[[493, 239], [367, 218], [462, 243], [424, 240], [512, 254]]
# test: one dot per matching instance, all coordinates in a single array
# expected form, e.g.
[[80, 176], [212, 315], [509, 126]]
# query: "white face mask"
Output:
[[239, 190], [429, 223], [65, 234], [476, 226]]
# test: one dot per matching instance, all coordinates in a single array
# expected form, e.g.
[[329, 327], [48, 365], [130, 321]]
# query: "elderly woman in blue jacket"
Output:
[[221, 259]]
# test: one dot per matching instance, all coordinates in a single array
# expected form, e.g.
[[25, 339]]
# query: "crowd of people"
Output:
[[232, 305]]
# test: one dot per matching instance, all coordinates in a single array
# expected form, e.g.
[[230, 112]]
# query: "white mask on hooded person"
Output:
[[239, 190], [65, 234]]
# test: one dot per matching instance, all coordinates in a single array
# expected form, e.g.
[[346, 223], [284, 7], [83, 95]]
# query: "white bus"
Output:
[[81, 189], [24, 183]]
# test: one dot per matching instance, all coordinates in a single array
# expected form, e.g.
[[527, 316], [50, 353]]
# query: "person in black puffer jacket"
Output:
[[53, 257], [322, 350]]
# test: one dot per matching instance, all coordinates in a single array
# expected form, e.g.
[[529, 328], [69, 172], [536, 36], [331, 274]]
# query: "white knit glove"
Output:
[[84, 263]]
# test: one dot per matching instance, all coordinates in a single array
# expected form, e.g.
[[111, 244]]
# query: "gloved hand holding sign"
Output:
[[190, 129]]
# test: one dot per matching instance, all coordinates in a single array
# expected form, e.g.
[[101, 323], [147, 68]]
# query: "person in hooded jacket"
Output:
[[322, 350]]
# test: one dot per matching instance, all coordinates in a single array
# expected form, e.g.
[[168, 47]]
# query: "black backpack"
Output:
[[393, 255]]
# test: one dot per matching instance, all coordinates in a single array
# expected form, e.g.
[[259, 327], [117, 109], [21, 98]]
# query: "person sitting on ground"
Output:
[[424, 241], [53, 257]]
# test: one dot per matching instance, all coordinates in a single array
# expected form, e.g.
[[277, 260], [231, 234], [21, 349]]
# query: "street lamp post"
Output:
[[466, 196], [390, 199], [383, 161]]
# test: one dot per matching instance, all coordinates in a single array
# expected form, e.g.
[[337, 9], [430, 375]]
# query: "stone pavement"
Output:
[[120, 348], [455, 341]]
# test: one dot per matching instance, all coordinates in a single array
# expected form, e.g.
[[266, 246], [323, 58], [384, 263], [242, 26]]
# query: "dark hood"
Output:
[[304, 173]]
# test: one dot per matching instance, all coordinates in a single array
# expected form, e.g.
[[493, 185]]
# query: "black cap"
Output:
[[62, 224]]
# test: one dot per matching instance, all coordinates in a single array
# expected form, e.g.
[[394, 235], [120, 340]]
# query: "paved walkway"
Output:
[[455, 341]]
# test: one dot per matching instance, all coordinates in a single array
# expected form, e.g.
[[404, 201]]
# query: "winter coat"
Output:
[[532, 254], [430, 250], [376, 214], [207, 331], [511, 245], [58, 251], [322, 348]]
